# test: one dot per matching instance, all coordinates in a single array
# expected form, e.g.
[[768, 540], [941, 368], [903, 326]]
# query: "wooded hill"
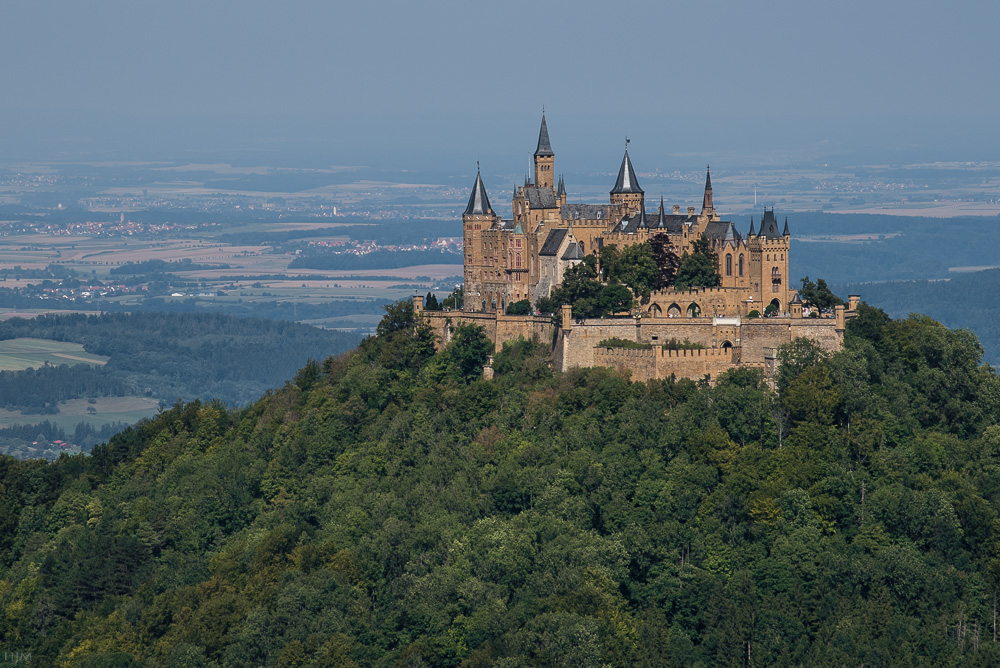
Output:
[[389, 507]]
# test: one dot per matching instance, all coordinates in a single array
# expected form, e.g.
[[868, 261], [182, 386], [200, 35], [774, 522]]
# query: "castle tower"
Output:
[[707, 206], [545, 159], [627, 191], [769, 262], [477, 219]]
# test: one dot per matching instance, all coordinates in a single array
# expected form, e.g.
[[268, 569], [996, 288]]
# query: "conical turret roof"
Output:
[[479, 202], [544, 149], [707, 206], [626, 183]]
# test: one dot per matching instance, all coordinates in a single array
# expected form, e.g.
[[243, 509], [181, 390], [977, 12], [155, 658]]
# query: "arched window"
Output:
[[582, 250], [694, 310], [729, 265], [741, 264]]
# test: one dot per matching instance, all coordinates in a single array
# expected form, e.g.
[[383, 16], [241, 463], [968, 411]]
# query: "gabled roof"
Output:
[[583, 211], [541, 198], [769, 225], [626, 183], [573, 252], [479, 202], [553, 241], [544, 147]]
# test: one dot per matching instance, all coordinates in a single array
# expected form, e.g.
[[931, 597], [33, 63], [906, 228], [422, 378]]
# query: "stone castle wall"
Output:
[[647, 364], [728, 342]]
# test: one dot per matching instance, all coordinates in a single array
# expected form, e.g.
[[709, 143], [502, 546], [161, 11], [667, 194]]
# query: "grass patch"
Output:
[[20, 354], [615, 342], [677, 344]]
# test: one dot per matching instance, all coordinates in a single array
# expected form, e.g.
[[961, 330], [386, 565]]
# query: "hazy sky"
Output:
[[697, 75]]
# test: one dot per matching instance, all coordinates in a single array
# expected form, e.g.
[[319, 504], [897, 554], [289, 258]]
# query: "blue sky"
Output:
[[395, 80]]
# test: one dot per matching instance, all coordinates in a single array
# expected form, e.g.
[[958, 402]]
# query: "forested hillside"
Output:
[[166, 355], [389, 507]]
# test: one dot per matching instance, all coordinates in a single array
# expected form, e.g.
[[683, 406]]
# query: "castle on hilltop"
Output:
[[527, 256]]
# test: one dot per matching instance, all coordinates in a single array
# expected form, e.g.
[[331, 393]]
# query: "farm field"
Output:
[[106, 410], [19, 354]]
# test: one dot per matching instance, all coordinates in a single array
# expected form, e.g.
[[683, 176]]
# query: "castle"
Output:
[[526, 257]]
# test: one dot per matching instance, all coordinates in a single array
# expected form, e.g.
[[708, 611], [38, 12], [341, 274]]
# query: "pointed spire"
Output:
[[661, 216], [752, 232], [544, 147], [479, 202], [707, 206], [785, 232], [626, 183], [562, 187]]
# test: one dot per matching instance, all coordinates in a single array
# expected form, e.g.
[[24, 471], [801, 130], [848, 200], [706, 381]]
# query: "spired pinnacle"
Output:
[[479, 202], [707, 205], [627, 182], [544, 149]]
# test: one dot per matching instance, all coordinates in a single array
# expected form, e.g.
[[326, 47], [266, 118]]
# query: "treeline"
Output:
[[381, 259], [384, 232], [904, 247], [390, 507], [162, 267], [249, 308], [167, 356], [962, 301], [38, 440]]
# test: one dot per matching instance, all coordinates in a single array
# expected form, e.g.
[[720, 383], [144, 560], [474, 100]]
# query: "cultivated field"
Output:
[[19, 354], [104, 410]]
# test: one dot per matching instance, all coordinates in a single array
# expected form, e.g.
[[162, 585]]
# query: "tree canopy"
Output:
[[700, 268], [390, 507]]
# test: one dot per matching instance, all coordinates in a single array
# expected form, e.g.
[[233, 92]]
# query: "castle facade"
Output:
[[525, 258]]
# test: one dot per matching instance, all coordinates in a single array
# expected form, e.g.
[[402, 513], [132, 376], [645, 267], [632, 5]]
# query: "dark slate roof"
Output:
[[544, 147], [752, 232], [784, 233], [769, 225], [582, 211], [552, 242], [706, 202], [561, 190], [573, 252], [626, 183], [479, 203], [796, 299], [723, 231], [673, 223], [541, 198]]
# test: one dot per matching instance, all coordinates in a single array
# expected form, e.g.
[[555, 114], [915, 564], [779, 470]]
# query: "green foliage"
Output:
[[633, 267], [676, 344], [666, 260], [455, 300], [818, 294], [615, 342], [388, 507], [431, 302], [522, 307], [588, 296], [700, 268]]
